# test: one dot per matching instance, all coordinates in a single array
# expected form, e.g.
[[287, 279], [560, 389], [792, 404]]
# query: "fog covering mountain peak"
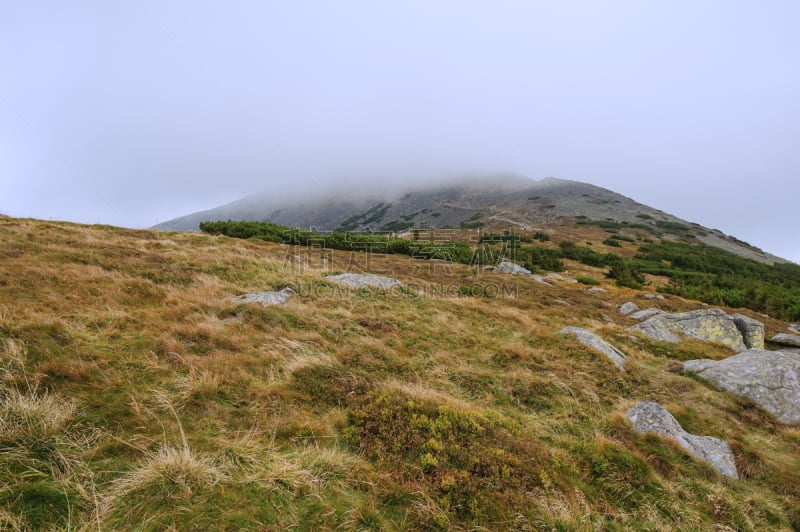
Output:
[[467, 201]]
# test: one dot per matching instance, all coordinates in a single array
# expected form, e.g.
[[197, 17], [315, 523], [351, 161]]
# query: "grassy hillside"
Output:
[[135, 394], [708, 274]]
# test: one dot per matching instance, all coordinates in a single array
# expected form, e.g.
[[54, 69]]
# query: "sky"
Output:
[[133, 113]]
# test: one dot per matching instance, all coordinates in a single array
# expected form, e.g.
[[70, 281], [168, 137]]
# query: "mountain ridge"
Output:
[[503, 201]]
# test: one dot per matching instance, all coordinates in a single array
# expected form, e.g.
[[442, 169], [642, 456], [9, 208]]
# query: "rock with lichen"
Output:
[[712, 325]]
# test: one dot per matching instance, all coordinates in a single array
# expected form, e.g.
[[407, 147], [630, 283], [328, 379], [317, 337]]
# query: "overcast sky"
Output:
[[130, 113]]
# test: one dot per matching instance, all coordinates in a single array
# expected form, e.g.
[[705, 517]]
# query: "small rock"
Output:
[[557, 277], [649, 416], [628, 308], [267, 298], [597, 289], [659, 296], [771, 379], [649, 296], [794, 328], [512, 268], [539, 279], [789, 340], [646, 313], [593, 341], [364, 280]]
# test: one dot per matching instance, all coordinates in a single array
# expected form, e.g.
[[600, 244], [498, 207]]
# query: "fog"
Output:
[[135, 113]]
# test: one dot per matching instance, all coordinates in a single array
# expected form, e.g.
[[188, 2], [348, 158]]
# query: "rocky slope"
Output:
[[182, 381]]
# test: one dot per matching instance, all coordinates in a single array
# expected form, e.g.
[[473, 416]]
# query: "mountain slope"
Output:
[[135, 393], [495, 202]]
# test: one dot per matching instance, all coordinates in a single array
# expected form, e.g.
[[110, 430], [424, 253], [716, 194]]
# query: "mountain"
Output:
[[490, 202]]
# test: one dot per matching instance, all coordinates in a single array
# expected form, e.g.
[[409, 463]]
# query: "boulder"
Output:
[[712, 325], [593, 341], [267, 298], [794, 328], [510, 267], [649, 416], [649, 296], [752, 331], [646, 313], [789, 340], [364, 280], [771, 379], [515, 269], [628, 308]]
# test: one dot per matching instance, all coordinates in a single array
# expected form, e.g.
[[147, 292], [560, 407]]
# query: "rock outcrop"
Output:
[[752, 331], [646, 313], [628, 308], [515, 269], [267, 298], [713, 325], [649, 416], [512, 268], [364, 280], [593, 341], [771, 379], [789, 340]]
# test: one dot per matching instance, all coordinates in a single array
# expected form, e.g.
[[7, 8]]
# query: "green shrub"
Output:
[[627, 275]]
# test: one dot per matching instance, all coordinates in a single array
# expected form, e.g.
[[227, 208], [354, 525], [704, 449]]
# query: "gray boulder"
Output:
[[364, 280], [752, 331], [267, 298], [648, 416], [593, 341], [794, 328], [789, 340], [646, 313], [512, 268], [771, 379], [628, 308], [712, 325], [515, 269]]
